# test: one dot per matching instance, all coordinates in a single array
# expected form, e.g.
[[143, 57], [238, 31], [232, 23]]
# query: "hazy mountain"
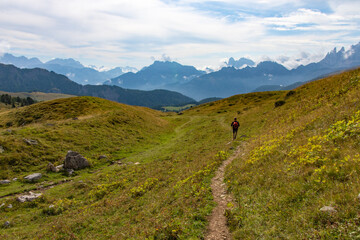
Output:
[[71, 68], [165, 75], [242, 62], [13, 79], [65, 63], [21, 62], [267, 75]]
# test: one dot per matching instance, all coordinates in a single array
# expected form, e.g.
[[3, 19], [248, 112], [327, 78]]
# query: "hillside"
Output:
[[38, 96], [13, 79], [298, 152]]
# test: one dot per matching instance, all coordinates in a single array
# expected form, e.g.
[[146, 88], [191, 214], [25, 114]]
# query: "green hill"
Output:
[[13, 79], [299, 153]]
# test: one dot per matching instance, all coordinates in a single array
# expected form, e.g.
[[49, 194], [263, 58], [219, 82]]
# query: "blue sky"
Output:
[[202, 33]]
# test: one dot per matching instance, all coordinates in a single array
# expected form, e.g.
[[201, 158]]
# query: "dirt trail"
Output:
[[217, 228]]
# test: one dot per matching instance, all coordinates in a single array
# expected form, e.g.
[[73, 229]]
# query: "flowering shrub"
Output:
[[142, 189], [101, 190], [59, 206]]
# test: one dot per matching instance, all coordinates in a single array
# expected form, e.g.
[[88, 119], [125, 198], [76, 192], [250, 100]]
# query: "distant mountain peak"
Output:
[[240, 63], [69, 62]]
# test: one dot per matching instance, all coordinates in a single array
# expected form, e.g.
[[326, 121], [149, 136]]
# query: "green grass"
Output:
[[178, 109], [295, 159], [38, 96]]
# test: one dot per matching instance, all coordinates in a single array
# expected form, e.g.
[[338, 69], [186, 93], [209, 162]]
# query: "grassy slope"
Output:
[[305, 157], [167, 196], [38, 96]]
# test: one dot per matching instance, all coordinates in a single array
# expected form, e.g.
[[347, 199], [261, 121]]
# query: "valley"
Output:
[[298, 152]]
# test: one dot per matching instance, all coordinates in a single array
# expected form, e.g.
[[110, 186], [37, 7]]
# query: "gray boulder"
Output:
[[33, 177], [5, 181], [75, 161], [28, 198]]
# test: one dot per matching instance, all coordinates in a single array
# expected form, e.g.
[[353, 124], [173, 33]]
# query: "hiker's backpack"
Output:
[[235, 125]]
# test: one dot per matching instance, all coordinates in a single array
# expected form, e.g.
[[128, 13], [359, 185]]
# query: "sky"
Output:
[[201, 33]]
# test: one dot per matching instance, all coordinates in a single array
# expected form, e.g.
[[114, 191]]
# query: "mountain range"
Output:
[[165, 75], [71, 68], [239, 76], [13, 79]]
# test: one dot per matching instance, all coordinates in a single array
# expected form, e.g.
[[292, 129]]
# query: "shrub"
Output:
[[279, 103]]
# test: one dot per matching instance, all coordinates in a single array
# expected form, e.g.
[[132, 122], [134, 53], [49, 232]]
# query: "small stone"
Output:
[[328, 209], [33, 177], [102, 157], [2, 150], [28, 198], [358, 197], [5, 181], [50, 167], [7, 224], [3, 204], [15, 179], [137, 163], [10, 206], [69, 172], [59, 168], [31, 141], [51, 206]]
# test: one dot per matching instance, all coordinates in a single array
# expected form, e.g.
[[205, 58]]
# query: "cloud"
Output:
[[4, 47], [195, 32]]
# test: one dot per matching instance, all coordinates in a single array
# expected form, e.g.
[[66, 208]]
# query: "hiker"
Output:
[[235, 126]]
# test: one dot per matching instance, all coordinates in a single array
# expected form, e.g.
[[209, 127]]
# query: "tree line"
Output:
[[16, 101]]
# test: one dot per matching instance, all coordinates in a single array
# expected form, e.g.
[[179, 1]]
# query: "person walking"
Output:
[[235, 126]]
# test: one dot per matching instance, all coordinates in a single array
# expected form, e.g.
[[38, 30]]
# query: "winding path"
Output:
[[217, 228]]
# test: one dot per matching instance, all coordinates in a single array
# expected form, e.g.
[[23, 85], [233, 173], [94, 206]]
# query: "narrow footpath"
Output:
[[217, 228]]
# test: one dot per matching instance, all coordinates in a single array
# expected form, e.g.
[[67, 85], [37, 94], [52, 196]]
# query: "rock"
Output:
[[5, 181], [75, 161], [69, 172], [10, 206], [137, 163], [33, 177], [102, 157], [358, 197], [59, 168], [3, 204], [7, 224], [2, 150], [30, 197], [328, 209], [50, 167], [14, 179], [31, 141]]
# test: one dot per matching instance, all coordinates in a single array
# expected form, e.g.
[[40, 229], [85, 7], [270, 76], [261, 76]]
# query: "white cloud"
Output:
[[119, 32], [4, 47]]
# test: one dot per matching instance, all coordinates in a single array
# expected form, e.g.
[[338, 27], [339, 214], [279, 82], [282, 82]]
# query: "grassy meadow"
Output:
[[300, 152]]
